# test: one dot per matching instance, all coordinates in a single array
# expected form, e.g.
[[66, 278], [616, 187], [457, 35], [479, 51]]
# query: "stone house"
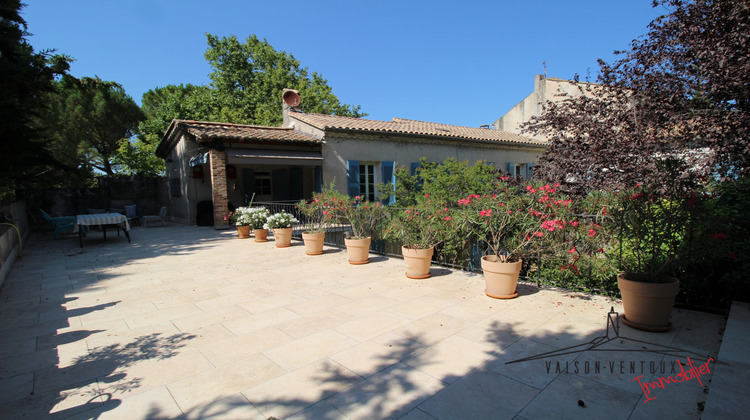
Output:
[[227, 164]]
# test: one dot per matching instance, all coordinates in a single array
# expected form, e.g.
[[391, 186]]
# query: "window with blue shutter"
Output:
[[248, 184], [352, 177], [296, 184], [530, 171], [389, 175], [318, 178], [281, 184], [512, 168]]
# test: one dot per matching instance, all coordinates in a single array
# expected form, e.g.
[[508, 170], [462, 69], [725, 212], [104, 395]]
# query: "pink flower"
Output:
[[426, 195], [408, 211], [592, 233], [573, 250], [357, 198], [719, 235], [530, 189], [447, 218]]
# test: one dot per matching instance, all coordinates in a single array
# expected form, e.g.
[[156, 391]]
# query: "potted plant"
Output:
[[515, 221], [240, 218], [420, 228], [258, 218], [653, 221], [281, 223], [318, 215], [364, 219]]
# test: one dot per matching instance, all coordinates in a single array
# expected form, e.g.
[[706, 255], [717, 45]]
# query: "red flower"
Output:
[[447, 218], [732, 255], [592, 233], [719, 235]]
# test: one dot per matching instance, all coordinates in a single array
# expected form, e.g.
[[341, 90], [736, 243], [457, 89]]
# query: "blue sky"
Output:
[[453, 62]]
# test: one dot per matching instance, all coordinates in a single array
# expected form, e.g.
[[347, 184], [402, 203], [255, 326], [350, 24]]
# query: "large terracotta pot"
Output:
[[647, 306], [283, 237], [313, 243], [358, 250], [261, 235], [501, 278], [243, 232], [417, 261]]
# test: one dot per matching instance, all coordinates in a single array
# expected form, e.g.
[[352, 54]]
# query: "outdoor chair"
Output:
[[155, 219], [65, 224], [130, 213]]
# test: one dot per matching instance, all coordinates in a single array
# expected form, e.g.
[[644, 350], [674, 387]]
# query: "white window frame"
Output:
[[366, 190]]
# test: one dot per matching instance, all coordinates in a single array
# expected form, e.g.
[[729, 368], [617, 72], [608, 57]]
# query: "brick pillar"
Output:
[[219, 187]]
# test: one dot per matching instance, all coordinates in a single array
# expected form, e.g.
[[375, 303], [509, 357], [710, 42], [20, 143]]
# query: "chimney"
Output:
[[289, 103]]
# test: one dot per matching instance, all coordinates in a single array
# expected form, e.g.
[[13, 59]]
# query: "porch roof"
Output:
[[207, 131]]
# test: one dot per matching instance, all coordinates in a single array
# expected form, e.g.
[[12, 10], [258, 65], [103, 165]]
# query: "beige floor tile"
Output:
[[303, 351], [304, 326], [319, 304], [160, 316], [130, 380], [156, 403], [302, 388], [451, 358], [371, 326], [215, 384], [599, 401], [388, 394], [204, 319], [377, 354], [420, 307], [233, 407], [432, 329], [468, 398], [222, 352], [253, 322], [367, 305]]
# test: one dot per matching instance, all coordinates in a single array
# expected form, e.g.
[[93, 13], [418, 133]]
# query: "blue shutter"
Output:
[[281, 184], [352, 177], [529, 170], [296, 184], [512, 169], [248, 184], [318, 178], [490, 163], [414, 167], [389, 175]]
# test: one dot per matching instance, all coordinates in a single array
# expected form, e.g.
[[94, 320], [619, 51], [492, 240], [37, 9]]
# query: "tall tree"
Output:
[[681, 91], [26, 76], [97, 116], [249, 78]]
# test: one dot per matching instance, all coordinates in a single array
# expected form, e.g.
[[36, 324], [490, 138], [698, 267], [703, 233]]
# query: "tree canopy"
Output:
[[246, 86], [26, 76], [680, 94], [92, 119]]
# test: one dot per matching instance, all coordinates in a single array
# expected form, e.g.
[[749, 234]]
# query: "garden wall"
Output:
[[147, 193], [14, 230]]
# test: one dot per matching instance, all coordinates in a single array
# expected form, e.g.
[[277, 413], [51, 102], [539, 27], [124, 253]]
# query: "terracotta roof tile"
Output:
[[210, 131], [412, 127]]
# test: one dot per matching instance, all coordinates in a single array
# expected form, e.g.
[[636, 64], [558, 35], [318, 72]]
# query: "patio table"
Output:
[[116, 220]]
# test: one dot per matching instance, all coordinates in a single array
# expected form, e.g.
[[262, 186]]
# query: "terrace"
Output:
[[188, 322]]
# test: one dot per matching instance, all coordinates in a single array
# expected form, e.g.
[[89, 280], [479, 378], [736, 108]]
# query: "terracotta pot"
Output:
[[283, 237], [501, 278], [417, 261], [647, 306], [261, 235], [358, 250], [313, 243], [243, 232]]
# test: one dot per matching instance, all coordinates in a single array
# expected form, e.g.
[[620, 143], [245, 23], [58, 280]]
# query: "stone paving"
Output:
[[189, 322]]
